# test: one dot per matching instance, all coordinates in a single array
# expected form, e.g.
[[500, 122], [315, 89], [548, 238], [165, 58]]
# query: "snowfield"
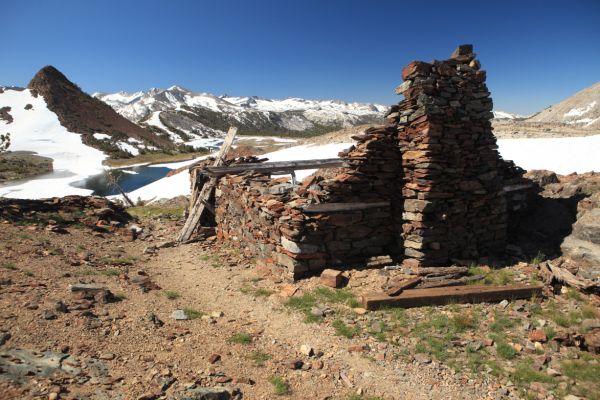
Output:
[[40, 131], [562, 155]]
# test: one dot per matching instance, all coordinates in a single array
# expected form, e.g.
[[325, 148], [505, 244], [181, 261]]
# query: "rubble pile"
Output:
[[454, 203], [89, 210]]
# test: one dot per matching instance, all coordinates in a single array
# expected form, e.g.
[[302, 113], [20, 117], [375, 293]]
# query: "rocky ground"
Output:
[[515, 129], [503, 129], [87, 313]]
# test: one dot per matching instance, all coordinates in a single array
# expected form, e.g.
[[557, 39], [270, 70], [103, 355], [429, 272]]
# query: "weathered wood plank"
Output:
[[342, 207], [445, 295], [398, 287], [202, 199], [273, 167], [433, 283], [560, 274]]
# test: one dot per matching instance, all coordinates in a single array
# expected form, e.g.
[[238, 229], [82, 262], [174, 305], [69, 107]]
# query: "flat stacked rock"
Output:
[[454, 203]]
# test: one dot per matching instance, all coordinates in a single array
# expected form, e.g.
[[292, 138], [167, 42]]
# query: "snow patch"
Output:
[[561, 155], [134, 151], [577, 112], [101, 136]]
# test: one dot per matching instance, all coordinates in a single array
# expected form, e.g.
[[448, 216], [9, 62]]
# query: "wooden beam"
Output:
[[341, 207], [191, 224], [446, 295], [282, 167], [433, 283], [398, 287]]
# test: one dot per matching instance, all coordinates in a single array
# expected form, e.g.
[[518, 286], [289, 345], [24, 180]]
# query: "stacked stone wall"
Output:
[[435, 166], [454, 203]]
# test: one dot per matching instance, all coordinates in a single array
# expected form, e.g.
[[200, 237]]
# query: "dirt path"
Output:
[[280, 333], [113, 350]]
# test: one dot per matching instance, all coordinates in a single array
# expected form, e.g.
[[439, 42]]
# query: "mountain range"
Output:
[[582, 109], [185, 115], [123, 125]]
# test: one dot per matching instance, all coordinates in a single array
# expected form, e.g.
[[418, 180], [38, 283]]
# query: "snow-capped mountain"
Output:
[[582, 110], [506, 115], [185, 115]]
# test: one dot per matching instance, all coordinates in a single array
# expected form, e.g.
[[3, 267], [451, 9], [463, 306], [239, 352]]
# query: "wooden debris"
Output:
[[552, 273], [202, 198], [331, 278], [445, 282], [284, 167], [398, 287], [447, 272], [445, 295]]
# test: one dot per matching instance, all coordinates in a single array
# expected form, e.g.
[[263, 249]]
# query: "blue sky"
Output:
[[536, 52]]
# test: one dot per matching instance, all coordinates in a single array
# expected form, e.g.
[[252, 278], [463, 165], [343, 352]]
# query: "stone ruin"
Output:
[[429, 186]]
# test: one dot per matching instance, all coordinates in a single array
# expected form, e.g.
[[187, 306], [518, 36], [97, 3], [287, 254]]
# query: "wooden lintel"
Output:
[[342, 207], [446, 295], [273, 167]]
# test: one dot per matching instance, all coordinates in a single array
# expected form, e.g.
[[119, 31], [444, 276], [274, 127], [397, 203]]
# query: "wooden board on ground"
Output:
[[446, 295], [272, 167], [201, 200]]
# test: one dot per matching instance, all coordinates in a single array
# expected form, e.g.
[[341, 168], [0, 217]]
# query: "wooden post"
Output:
[[200, 202]]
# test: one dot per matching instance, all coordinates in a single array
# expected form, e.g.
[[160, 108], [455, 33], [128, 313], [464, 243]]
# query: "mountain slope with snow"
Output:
[[33, 127], [582, 110], [506, 115], [186, 115]]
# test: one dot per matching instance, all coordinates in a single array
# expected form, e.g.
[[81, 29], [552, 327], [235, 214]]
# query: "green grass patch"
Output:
[[193, 313], [550, 332], [241, 338], [538, 258], [400, 316], [55, 251], [433, 346], [505, 350], [111, 272], [280, 386], [341, 329], [119, 261], [9, 266], [336, 296], [156, 212], [256, 292], [171, 294], [574, 294], [83, 272], [259, 358], [356, 396], [321, 295], [501, 323], [590, 312], [304, 304], [525, 373], [27, 273]]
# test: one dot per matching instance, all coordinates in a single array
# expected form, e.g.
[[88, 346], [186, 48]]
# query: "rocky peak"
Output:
[[79, 112]]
